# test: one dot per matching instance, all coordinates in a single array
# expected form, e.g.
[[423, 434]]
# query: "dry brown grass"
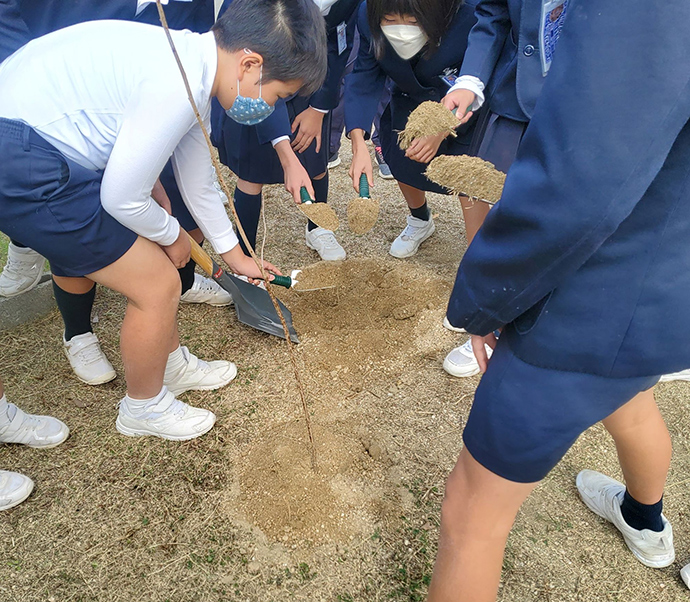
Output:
[[119, 519]]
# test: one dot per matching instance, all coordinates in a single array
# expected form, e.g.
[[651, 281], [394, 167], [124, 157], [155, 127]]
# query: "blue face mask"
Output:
[[249, 111]]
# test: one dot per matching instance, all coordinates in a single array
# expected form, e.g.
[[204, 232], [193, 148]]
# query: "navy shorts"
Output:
[[177, 204], [525, 418], [53, 205]]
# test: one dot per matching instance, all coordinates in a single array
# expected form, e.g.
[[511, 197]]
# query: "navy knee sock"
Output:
[[75, 310], [642, 516], [422, 212], [187, 275], [248, 207], [17, 243], [320, 195]]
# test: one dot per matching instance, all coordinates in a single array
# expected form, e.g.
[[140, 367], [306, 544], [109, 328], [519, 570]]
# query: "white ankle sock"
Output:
[[138, 407], [7, 412], [177, 361]]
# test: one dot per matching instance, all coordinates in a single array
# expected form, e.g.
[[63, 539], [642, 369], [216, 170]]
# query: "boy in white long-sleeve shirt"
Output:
[[89, 115]]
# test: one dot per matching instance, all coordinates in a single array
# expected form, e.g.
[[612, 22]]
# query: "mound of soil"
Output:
[[353, 317]]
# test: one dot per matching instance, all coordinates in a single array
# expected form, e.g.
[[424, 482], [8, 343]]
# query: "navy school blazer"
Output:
[[418, 78], [24, 20], [326, 98], [586, 258], [503, 52]]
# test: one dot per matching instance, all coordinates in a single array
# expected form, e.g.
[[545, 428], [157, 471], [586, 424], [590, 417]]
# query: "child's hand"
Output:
[[180, 251], [361, 160], [239, 263], [424, 149], [294, 174], [296, 177], [460, 100], [480, 351], [309, 123]]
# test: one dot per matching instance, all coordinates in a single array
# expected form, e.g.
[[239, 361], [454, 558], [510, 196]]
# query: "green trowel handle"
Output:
[[285, 281], [363, 186], [304, 195]]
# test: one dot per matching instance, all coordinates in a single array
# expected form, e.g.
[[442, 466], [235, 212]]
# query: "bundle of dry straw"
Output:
[[428, 119], [467, 176]]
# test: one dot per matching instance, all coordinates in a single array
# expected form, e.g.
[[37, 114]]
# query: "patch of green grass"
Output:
[[4, 242]]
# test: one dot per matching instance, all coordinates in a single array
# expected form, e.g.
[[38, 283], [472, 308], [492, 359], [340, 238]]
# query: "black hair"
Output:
[[433, 16], [290, 35]]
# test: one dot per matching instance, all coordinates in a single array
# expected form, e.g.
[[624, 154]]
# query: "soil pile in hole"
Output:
[[469, 176], [366, 314], [428, 119], [321, 214], [288, 501], [362, 214]]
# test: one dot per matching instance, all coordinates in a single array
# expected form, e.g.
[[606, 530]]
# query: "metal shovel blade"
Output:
[[252, 304]]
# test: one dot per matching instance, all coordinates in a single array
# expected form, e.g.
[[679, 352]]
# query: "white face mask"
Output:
[[325, 5], [407, 40]]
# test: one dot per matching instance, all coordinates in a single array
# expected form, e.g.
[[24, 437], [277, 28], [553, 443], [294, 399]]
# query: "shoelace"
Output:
[[409, 231], [205, 286], [14, 266], [89, 354], [329, 240]]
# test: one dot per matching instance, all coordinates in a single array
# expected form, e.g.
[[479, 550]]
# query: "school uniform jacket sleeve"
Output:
[[598, 137], [326, 98], [364, 86], [13, 30], [276, 125], [486, 39]]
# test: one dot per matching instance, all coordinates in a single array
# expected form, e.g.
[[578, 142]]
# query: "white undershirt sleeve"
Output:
[[153, 124], [195, 178]]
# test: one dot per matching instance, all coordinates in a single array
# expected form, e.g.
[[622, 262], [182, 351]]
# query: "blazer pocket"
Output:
[[528, 320]]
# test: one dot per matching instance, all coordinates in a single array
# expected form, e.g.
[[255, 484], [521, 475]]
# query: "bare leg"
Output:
[[474, 213], [150, 282], [644, 446], [478, 512], [415, 198], [197, 235], [249, 187], [76, 286]]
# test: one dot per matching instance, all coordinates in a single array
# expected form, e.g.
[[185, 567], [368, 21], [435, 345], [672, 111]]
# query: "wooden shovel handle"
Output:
[[201, 257]]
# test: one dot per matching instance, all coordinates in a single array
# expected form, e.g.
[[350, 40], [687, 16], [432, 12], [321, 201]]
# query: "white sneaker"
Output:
[[198, 375], [334, 161], [603, 496], [34, 431], [88, 360], [22, 272], [682, 375], [414, 234], [14, 489], [324, 243], [205, 290], [685, 574], [169, 419], [461, 362], [448, 326]]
